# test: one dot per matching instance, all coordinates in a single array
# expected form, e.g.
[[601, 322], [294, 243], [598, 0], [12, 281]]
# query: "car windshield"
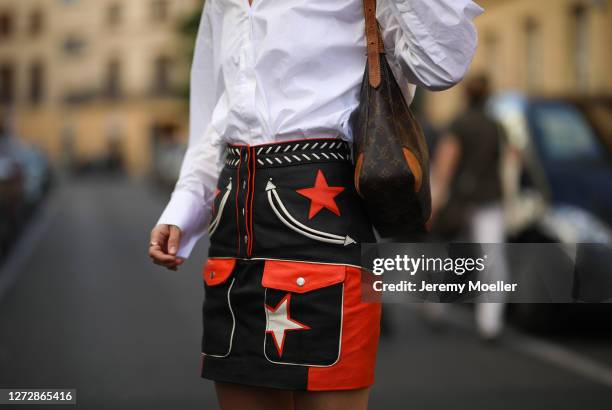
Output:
[[564, 133]]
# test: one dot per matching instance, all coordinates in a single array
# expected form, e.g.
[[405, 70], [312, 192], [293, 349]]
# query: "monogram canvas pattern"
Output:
[[392, 160]]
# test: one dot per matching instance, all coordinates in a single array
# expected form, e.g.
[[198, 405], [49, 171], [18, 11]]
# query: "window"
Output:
[[113, 79], [37, 82], [7, 83], [581, 47], [6, 25], [162, 81], [533, 53], [36, 25], [74, 45], [160, 10], [564, 134], [114, 14]]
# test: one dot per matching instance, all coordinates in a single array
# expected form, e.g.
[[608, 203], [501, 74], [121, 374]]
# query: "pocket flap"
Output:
[[301, 277], [217, 271]]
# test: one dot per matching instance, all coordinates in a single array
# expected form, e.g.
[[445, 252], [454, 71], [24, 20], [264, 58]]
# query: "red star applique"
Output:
[[279, 322], [321, 196]]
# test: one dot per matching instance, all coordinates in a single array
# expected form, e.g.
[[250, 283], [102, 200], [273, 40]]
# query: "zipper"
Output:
[[236, 202], [252, 168], [246, 207], [248, 201]]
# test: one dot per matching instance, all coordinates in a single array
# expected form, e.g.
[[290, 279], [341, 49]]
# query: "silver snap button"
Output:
[[243, 211], [300, 282], [246, 239], [243, 184]]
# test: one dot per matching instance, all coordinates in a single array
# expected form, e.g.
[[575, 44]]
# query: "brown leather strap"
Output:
[[375, 44]]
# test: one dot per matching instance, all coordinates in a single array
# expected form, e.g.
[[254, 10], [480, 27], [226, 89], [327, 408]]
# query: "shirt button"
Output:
[[243, 211], [243, 184], [300, 282], [246, 239]]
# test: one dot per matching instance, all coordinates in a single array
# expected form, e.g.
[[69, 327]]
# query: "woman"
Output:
[[268, 173]]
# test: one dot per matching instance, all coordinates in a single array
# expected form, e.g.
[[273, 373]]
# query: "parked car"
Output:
[[562, 193], [11, 201], [25, 178], [37, 172]]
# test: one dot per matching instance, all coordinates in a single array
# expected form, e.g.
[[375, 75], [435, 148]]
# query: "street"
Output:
[[81, 306]]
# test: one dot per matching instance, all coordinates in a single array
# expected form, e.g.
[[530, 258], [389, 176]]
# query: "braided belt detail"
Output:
[[291, 153]]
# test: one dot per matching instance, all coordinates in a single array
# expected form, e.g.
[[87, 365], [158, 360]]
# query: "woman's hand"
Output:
[[164, 245]]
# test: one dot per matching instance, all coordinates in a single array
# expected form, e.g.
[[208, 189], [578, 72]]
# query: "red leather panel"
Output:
[[301, 277], [217, 271]]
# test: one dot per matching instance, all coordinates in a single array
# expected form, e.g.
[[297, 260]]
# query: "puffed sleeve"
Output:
[[431, 41], [190, 205]]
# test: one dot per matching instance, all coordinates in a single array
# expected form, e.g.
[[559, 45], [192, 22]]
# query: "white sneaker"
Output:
[[490, 320]]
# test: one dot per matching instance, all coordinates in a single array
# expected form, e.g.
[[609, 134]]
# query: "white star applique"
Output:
[[278, 322]]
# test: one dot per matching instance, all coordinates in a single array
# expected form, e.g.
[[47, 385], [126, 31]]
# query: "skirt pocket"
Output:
[[304, 311], [219, 319]]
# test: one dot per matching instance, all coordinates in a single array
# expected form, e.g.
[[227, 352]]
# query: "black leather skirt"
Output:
[[283, 302]]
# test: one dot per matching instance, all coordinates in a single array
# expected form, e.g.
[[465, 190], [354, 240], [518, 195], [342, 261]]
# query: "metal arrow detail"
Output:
[[286, 218], [215, 223]]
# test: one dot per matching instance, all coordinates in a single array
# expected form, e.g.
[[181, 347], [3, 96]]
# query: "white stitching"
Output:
[[229, 304], [305, 364], [234, 155]]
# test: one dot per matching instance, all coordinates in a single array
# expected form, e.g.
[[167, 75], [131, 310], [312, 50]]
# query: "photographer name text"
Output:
[[424, 286]]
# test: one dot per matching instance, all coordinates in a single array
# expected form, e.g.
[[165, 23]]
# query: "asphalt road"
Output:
[[81, 306]]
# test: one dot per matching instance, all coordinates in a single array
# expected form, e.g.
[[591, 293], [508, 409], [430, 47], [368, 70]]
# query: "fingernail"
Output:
[[173, 249]]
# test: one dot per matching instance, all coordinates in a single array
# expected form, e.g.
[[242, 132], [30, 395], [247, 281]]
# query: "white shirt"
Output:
[[289, 69]]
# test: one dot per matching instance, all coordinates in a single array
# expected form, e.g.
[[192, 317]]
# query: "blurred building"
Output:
[[86, 79], [544, 47]]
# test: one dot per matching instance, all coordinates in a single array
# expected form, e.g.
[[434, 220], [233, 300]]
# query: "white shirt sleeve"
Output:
[[190, 205], [431, 41]]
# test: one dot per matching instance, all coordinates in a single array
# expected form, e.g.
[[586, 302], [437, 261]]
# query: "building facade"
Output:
[[544, 48], [81, 78]]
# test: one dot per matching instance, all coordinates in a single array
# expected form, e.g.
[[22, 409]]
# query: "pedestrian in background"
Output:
[[467, 190]]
